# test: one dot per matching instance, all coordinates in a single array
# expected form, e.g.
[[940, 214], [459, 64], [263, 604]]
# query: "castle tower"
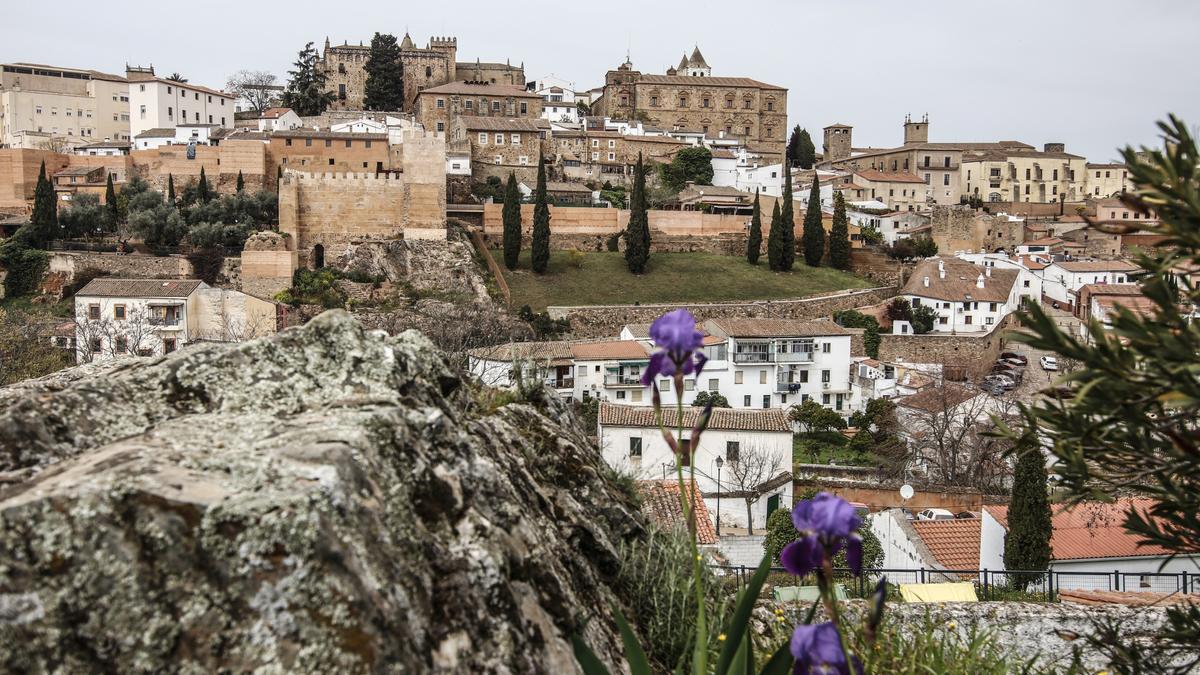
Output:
[[837, 142], [916, 132], [449, 47]]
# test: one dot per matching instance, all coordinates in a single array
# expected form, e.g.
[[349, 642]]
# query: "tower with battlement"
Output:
[[916, 131]]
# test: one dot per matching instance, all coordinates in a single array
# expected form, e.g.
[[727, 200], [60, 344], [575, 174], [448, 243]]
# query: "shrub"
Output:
[[705, 397], [922, 319], [575, 258], [781, 532], [543, 326], [816, 417]]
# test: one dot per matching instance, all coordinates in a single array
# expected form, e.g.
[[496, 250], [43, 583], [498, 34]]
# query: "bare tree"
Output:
[[754, 471], [255, 87], [237, 326], [56, 144], [946, 426]]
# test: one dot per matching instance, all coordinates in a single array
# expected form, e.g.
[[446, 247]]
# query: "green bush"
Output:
[[781, 532], [314, 287], [934, 648], [25, 266], [717, 399]]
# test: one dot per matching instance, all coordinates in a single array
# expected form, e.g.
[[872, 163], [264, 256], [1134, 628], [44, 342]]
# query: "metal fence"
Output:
[[1032, 586]]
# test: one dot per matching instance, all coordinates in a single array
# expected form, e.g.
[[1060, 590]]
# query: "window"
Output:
[[595, 156], [121, 344], [308, 142], [96, 345], [747, 133], [825, 347], [523, 160], [516, 139], [483, 138], [689, 385], [495, 106], [441, 126], [767, 401], [762, 377], [664, 385], [428, 71], [366, 144], [682, 101], [713, 384], [524, 107], [825, 375], [635, 447], [441, 103], [498, 159], [595, 142], [119, 312], [168, 90], [499, 139], [168, 345], [746, 401], [737, 377], [94, 312], [825, 399], [470, 105], [732, 449], [612, 156], [170, 112], [654, 100], [685, 452], [704, 102], [745, 104], [328, 143], [770, 105], [945, 179]]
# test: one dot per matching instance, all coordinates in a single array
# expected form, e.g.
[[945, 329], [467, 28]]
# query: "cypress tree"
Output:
[[636, 231], [814, 232], [787, 225], [540, 253], [384, 89], [839, 235], [1027, 546], [241, 182], [775, 240], [754, 241], [806, 152], [512, 223], [202, 192], [171, 188], [44, 221], [644, 204], [110, 202]]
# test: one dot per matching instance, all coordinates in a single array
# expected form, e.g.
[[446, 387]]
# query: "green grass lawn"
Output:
[[603, 279], [820, 447]]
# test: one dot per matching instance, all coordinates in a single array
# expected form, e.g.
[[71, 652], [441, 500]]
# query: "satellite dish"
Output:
[[906, 491]]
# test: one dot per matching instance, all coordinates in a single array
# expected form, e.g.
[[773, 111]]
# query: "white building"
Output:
[[458, 164], [364, 125], [151, 317], [104, 149], [157, 103], [1028, 267], [1061, 280], [279, 119], [154, 138], [966, 298], [755, 443]]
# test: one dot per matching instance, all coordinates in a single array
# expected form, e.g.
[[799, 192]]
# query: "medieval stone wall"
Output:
[[878, 267], [963, 349], [221, 165], [607, 320], [19, 169], [588, 221]]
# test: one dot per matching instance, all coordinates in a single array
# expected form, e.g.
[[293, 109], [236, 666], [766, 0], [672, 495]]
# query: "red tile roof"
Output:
[[1098, 266], [953, 543], [661, 504], [1093, 530], [611, 349]]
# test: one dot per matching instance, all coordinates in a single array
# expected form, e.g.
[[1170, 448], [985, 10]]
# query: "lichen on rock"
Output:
[[328, 499]]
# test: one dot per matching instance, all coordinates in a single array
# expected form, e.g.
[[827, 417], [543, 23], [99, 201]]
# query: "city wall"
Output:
[[607, 320]]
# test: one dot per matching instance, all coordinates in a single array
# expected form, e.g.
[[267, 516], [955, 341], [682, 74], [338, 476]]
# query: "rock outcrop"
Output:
[[325, 500]]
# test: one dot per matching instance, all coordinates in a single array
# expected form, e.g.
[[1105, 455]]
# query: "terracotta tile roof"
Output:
[[611, 349], [661, 504], [489, 89], [275, 113], [751, 328], [519, 351], [1110, 289], [473, 123], [1128, 598], [641, 331], [729, 419], [690, 81], [953, 543], [313, 133], [1140, 305], [889, 176], [935, 398], [104, 144], [1044, 241], [139, 288], [960, 282], [1098, 266], [1093, 530], [160, 132]]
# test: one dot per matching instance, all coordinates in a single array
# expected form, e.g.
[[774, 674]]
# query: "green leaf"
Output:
[[781, 661], [738, 667], [736, 628], [634, 656], [587, 659]]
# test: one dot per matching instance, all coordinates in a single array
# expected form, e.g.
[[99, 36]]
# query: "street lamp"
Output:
[[720, 463]]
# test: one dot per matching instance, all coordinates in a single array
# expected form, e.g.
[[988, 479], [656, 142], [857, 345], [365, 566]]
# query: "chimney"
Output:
[[926, 282], [979, 282], [988, 272], [941, 269]]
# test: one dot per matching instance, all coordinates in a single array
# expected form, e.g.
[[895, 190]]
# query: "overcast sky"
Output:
[[1094, 75]]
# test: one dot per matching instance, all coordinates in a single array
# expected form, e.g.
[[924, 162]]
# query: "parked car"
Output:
[[1018, 356], [935, 514], [962, 515], [993, 388], [1017, 374], [1049, 363], [1002, 380], [1012, 362]]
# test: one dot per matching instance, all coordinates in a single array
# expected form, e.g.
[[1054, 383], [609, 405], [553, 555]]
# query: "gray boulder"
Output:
[[325, 500]]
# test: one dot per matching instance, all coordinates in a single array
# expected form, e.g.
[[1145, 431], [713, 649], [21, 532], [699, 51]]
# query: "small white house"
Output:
[[152, 317], [364, 125], [279, 119], [153, 138], [1061, 280], [752, 447], [104, 149], [966, 298], [458, 164]]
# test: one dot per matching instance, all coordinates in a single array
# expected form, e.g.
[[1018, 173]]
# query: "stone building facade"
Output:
[[499, 146], [689, 98], [609, 156], [312, 151], [438, 107], [433, 65]]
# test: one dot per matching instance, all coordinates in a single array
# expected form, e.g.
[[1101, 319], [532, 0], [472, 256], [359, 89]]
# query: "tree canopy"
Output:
[[384, 89], [306, 93]]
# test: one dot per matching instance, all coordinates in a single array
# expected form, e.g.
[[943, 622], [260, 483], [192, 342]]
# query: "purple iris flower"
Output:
[[825, 523], [677, 339], [818, 651]]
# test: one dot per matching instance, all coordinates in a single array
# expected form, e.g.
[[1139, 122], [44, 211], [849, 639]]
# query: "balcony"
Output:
[[753, 357], [789, 383], [619, 380], [560, 382], [795, 357], [166, 321]]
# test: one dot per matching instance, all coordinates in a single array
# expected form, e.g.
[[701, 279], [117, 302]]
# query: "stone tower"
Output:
[[916, 132], [837, 142], [697, 66], [449, 47]]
